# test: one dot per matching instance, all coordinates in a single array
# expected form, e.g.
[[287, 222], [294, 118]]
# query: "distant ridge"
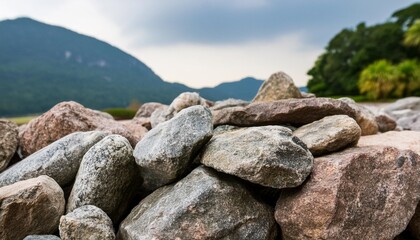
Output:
[[41, 65]]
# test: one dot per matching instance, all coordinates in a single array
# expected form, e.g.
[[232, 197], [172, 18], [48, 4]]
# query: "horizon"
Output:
[[186, 43]]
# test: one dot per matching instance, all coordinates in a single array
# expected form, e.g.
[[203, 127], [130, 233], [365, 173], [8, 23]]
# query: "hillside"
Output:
[[245, 89]]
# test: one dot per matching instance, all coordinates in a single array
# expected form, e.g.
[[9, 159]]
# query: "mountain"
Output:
[[245, 89], [41, 65]]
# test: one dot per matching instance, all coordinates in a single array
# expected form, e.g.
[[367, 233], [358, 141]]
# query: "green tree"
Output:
[[412, 36], [409, 83], [379, 80]]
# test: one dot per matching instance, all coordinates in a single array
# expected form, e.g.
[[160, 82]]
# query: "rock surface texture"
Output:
[[295, 112], [106, 177], [33, 206], [278, 86], [405, 140], [385, 122], [8, 142], [167, 150], [329, 134], [42, 237], [63, 119], [360, 193], [364, 117], [59, 160], [269, 156], [86, 222], [200, 206], [147, 109], [406, 112]]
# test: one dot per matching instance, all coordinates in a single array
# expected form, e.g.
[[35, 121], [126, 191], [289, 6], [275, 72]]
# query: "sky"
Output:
[[202, 43]]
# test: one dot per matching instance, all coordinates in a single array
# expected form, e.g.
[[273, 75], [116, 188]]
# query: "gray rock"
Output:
[[183, 101], [269, 156], [278, 86], [410, 123], [230, 102], [32, 206], [106, 177], [146, 110], [364, 117], [412, 103], [329, 134], [42, 237], [86, 222], [200, 206], [167, 150], [59, 160], [359, 193], [385, 122], [8, 142]]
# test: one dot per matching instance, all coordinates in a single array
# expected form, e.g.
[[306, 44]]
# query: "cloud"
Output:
[[201, 65]]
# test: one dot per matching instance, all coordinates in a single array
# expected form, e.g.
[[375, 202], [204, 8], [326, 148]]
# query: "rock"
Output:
[[183, 101], [41, 237], [200, 206], [8, 142], [329, 134], [278, 86], [230, 102], [412, 103], [60, 160], [269, 156], [167, 150], [404, 140], [86, 222], [106, 177], [360, 193], [385, 122], [146, 110], [296, 112], [63, 119], [364, 117], [308, 95], [33, 206], [411, 122], [138, 127]]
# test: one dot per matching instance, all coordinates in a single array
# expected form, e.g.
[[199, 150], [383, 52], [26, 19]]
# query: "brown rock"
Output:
[[65, 118], [364, 117], [360, 193], [146, 110], [414, 225], [329, 134], [296, 112], [278, 86], [8, 142], [33, 206], [385, 122], [404, 140], [138, 127]]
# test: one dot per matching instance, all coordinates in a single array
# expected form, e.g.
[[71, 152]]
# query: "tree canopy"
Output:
[[337, 70]]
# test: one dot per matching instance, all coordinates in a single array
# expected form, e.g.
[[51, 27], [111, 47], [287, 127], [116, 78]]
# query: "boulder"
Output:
[[411, 122], [268, 155], [138, 127], [406, 112], [146, 110], [295, 112], [203, 205], [330, 134], [86, 222], [8, 142], [385, 122], [360, 193], [183, 101], [364, 117], [278, 86], [63, 119], [404, 140], [106, 177], [168, 149], [59, 160], [230, 102], [412, 103], [33, 206], [42, 237]]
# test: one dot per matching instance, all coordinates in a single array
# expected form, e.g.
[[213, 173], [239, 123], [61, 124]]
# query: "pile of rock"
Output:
[[224, 170]]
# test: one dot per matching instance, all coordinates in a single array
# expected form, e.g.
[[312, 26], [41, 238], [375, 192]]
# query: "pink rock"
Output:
[[68, 117], [405, 140]]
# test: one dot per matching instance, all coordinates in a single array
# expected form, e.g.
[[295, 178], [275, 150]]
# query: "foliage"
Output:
[[412, 36], [22, 120], [409, 82], [337, 70], [121, 113]]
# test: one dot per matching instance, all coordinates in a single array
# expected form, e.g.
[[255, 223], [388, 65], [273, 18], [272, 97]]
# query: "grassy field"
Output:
[[22, 120]]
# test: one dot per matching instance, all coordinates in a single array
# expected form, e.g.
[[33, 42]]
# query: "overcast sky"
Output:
[[206, 42]]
